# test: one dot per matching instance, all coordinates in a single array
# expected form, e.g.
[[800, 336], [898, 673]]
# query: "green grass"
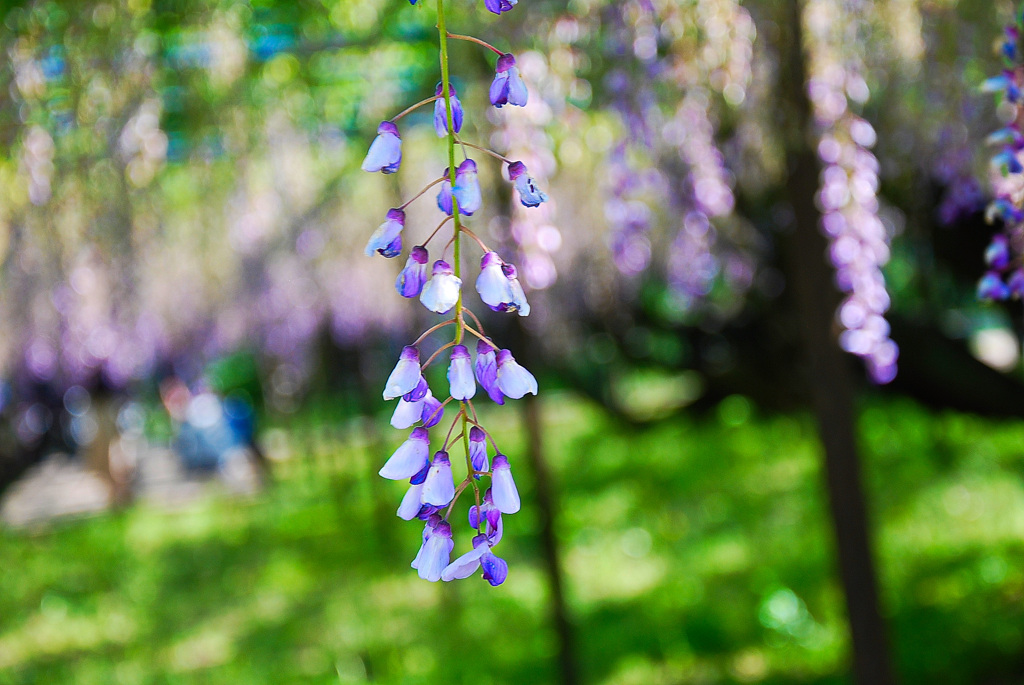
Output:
[[696, 551]]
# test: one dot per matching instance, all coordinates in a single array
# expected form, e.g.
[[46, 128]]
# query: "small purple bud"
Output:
[[505, 62], [406, 375], [997, 255], [387, 239], [439, 487], [499, 6], [432, 411], [478, 450], [991, 287], [441, 111], [409, 458], [488, 515], [514, 381], [495, 568], [460, 374], [1016, 283], [435, 553], [410, 281], [503, 487], [486, 369], [419, 392], [385, 152], [467, 188], [441, 292]]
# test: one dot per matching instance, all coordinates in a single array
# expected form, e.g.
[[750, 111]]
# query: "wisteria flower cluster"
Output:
[[1004, 277], [848, 194], [432, 492]]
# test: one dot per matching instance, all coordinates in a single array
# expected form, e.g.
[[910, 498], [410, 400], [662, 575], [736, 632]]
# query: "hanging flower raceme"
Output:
[[434, 484], [1004, 257]]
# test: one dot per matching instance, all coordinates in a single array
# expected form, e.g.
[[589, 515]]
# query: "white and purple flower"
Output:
[[478, 450], [499, 6], [436, 550], [444, 195], [508, 88], [406, 376], [518, 302], [467, 188], [439, 486], [514, 381], [441, 111], [495, 568], [460, 374], [387, 239], [503, 487], [410, 457], [529, 194], [486, 370], [385, 152], [410, 281], [492, 284], [441, 292]]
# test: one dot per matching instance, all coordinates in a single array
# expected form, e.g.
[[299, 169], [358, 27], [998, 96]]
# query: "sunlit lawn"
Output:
[[697, 551]]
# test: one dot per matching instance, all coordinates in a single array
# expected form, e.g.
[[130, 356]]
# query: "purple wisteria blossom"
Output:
[[503, 487], [514, 381], [529, 194], [387, 239], [441, 112], [467, 188], [410, 281], [462, 385], [444, 196], [439, 488], [478, 450], [508, 88], [409, 458], [499, 6], [385, 152], [406, 375], [493, 286], [486, 370], [441, 292], [436, 550], [848, 197]]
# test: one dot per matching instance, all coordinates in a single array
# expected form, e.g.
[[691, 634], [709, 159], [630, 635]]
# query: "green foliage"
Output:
[[703, 557]]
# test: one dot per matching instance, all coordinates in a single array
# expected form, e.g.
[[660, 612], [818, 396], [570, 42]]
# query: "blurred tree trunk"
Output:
[[549, 540], [829, 376]]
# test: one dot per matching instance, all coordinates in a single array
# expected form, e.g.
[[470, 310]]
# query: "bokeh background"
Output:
[[192, 345]]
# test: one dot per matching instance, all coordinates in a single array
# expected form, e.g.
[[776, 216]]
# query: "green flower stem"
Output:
[[456, 242]]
